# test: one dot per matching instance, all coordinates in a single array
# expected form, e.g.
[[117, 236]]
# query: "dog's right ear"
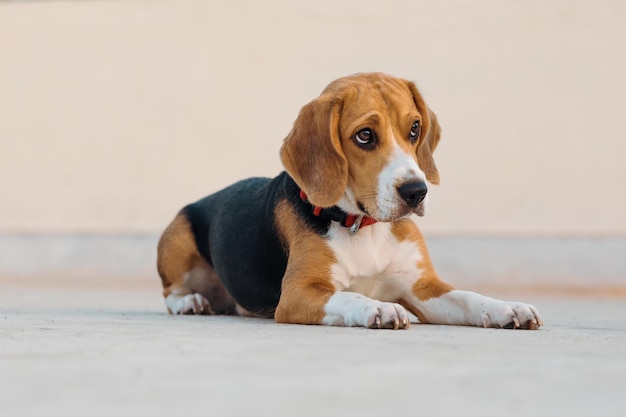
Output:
[[312, 152], [427, 147], [429, 142]]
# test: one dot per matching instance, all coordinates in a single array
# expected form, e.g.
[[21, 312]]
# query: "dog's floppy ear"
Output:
[[429, 140], [427, 147], [312, 152]]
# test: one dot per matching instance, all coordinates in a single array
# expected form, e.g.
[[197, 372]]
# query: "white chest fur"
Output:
[[373, 262]]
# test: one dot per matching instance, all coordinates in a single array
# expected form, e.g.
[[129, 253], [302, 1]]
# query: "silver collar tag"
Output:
[[357, 225]]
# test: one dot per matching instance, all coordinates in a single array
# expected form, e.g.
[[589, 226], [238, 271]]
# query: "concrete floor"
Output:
[[103, 352]]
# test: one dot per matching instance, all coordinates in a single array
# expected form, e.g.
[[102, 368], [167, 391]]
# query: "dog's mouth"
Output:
[[401, 210], [405, 211], [420, 210], [385, 208], [395, 200]]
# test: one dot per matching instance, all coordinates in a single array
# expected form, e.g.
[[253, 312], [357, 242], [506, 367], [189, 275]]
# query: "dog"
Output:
[[333, 239]]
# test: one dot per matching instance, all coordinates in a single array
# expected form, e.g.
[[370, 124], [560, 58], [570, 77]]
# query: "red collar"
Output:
[[353, 221]]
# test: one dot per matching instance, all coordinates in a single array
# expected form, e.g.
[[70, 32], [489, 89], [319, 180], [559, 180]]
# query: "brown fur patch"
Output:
[[184, 271], [428, 285], [306, 286], [312, 154], [430, 138], [176, 254]]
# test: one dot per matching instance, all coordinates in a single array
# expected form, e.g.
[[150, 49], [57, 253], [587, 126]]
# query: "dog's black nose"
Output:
[[412, 193]]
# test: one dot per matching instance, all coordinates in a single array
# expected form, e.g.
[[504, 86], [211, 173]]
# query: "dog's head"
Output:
[[366, 145]]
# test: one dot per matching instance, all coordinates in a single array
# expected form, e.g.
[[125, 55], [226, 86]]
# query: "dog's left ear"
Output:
[[312, 152], [429, 140]]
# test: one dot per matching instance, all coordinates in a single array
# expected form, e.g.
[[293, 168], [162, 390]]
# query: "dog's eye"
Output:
[[415, 131], [365, 138]]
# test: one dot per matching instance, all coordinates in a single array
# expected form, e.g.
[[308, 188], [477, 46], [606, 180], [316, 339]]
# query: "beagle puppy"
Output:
[[334, 238]]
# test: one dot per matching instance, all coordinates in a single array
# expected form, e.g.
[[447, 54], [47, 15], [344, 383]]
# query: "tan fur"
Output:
[[306, 285], [184, 271], [429, 141], [312, 152], [428, 285], [317, 150]]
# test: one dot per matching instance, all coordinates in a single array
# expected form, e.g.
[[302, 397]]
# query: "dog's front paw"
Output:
[[511, 315], [381, 315], [352, 309]]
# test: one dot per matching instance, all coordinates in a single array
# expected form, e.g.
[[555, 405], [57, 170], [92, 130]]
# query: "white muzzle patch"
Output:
[[400, 169]]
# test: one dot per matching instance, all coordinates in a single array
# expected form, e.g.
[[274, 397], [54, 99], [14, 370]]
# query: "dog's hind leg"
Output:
[[190, 284]]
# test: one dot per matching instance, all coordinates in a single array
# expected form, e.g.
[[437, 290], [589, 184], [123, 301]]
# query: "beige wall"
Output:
[[115, 114]]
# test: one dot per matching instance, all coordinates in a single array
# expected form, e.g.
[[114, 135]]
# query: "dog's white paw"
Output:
[[510, 315], [188, 304], [379, 315], [352, 309]]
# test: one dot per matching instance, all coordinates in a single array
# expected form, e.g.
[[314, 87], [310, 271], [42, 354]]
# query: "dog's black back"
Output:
[[235, 231]]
